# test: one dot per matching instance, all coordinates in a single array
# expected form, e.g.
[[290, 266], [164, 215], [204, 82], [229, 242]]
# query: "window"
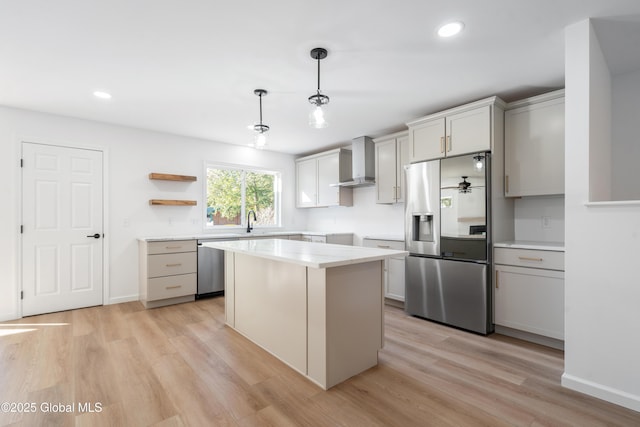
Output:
[[233, 191]]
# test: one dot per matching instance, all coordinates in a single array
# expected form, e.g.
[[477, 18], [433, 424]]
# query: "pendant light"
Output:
[[260, 129], [317, 116], [478, 162]]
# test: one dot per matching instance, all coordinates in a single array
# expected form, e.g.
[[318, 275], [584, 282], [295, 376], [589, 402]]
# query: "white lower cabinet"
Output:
[[168, 272], [393, 267], [529, 293], [338, 238]]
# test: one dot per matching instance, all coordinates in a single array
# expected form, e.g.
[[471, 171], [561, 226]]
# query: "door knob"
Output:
[[95, 236]]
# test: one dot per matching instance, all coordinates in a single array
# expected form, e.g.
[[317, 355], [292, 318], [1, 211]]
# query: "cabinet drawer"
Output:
[[172, 286], [550, 260], [383, 244], [172, 264], [171, 246]]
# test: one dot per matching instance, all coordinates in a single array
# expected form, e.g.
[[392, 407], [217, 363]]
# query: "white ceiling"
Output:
[[189, 67]]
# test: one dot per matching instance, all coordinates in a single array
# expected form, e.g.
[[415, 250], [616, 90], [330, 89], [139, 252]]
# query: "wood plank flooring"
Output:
[[179, 366]]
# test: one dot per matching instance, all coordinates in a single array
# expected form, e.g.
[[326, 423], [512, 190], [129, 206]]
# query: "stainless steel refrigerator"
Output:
[[447, 236]]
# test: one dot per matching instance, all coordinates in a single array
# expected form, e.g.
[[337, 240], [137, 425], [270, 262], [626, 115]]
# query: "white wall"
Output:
[[529, 223], [364, 218], [131, 155], [602, 319], [626, 137]]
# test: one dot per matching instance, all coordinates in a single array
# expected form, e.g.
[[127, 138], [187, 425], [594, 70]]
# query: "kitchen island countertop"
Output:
[[308, 254], [238, 235]]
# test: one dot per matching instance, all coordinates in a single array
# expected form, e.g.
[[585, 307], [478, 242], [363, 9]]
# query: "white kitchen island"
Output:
[[317, 307]]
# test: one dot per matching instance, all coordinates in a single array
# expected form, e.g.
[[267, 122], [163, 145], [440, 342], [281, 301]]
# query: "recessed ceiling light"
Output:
[[450, 29], [102, 95]]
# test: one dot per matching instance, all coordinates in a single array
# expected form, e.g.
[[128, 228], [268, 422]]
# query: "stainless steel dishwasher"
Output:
[[210, 269]]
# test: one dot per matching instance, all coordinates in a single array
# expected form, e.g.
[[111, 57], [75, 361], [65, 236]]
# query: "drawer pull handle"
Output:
[[384, 246], [173, 287], [173, 247], [526, 258], [174, 265]]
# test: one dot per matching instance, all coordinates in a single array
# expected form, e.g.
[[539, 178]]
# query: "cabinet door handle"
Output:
[[173, 287], [448, 143], [442, 144], [174, 265], [497, 281], [506, 184], [526, 258], [399, 193]]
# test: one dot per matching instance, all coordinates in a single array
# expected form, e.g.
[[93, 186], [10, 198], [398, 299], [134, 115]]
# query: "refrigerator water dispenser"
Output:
[[423, 227]]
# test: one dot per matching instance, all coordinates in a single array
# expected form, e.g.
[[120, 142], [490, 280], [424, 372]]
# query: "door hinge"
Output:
[[21, 294]]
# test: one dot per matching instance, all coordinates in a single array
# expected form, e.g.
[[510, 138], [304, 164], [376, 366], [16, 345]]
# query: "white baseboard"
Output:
[[527, 336], [5, 317], [118, 300], [603, 392]]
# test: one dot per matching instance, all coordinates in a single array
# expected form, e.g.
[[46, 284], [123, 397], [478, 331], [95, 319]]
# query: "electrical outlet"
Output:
[[546, 222]]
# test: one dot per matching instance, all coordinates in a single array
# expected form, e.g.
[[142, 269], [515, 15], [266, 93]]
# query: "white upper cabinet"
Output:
[[315, 176], [534, 146], [307, 183], [426, 140], [461, 130], [392, 153], [468, 132]]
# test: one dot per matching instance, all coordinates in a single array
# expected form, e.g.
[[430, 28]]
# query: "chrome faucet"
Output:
[[249, 227]]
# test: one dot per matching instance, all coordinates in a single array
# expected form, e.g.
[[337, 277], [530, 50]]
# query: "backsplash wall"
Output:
[[540, 219], [364, 218]]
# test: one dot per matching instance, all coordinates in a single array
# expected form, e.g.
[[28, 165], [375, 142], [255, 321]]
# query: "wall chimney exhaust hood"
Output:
[[363, 168]]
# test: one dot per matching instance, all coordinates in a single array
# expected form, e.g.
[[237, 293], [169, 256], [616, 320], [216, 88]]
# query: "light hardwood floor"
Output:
[[179, 365]]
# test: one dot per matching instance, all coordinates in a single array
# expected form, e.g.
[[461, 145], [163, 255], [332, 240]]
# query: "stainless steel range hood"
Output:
[[363, 169]]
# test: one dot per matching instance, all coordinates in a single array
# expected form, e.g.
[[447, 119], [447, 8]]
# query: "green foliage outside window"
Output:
[[232, 193]]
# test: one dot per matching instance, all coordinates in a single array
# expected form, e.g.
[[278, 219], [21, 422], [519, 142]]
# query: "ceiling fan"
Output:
[[463, 187]]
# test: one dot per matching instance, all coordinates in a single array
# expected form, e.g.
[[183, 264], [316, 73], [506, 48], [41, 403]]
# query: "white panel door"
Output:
[[62, 240]]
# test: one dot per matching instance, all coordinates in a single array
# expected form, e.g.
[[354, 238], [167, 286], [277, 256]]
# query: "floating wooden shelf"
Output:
[[173, 202], [171, 177], [472, 219]]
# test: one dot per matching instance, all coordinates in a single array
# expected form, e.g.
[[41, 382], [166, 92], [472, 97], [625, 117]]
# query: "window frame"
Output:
[[277, 195]]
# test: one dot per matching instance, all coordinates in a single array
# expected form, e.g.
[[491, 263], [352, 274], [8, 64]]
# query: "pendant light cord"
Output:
[[260, 95], [318, 74]]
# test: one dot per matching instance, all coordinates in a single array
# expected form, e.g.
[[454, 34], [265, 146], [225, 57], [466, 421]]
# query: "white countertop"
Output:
[[308, 254], [238, 235], [530, 244]]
